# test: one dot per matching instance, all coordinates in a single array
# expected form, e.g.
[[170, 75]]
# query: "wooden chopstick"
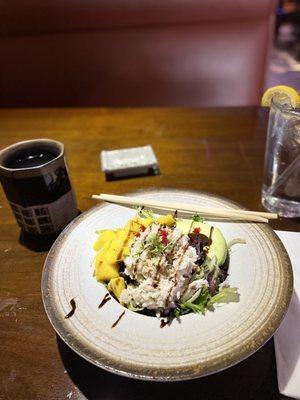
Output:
[[173, 206], [256, 216]]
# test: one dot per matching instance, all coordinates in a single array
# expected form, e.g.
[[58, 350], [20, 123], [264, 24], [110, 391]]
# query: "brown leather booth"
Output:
[[134, 52]]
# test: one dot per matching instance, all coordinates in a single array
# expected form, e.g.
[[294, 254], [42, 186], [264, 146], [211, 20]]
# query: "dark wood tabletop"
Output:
[[215, 150]]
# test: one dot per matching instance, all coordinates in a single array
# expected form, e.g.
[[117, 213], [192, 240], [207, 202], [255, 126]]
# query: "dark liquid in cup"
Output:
[[30, 157], [36, 189]]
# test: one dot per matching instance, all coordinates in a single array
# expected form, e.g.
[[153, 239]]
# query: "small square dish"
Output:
[[129, 162]]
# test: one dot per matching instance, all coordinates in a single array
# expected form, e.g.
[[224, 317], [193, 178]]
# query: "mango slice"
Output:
[[113, 245], [105, 272], [111, 255], [167, 220], [99, 257], [135, 225], [104, 237], [116, 285], [147, 221], [122, 234]]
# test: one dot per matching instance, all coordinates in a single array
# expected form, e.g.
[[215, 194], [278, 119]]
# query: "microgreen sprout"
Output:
[[143, 213], [197, 218]]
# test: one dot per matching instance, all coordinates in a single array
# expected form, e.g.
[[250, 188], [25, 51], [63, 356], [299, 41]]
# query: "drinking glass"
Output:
[[281, 186]]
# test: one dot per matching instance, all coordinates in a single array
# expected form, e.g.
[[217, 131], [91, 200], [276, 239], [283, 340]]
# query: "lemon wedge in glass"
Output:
[[287, 94]]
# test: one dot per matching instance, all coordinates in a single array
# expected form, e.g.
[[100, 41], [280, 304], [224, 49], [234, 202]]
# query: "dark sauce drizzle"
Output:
[[118, 320], [210, 235], [105, 299], [163, 323], [73, 305]]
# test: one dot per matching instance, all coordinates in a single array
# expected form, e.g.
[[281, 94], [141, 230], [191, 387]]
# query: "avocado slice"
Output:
[[218, 247]]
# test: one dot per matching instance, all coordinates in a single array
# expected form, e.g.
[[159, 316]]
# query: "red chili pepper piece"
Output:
[[164, 236], [197, 231], [142, 228]]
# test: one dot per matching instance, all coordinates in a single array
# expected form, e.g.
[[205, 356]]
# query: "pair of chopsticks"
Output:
[[223, 213]]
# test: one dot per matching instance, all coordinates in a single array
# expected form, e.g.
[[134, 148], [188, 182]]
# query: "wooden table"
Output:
[[216, 150]]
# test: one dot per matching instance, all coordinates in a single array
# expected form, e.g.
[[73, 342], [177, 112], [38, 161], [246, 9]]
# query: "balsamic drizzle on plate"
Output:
[[118, 320], [73, 308], [105, 299], [163, 323]]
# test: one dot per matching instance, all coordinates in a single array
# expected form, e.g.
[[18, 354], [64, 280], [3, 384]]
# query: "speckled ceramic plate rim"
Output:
[[166, 374]]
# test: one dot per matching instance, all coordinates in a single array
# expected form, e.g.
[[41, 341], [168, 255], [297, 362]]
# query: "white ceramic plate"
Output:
[[137, 347]]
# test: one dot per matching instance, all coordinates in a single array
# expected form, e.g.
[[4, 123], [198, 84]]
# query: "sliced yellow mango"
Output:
[[105, 272], [167, 220], [113, 246], [116, 285], [147, 221], [131, 236], [121, 234], [99, 257], [98, 244], [98, 261], [135, 226], [128, 225], [114, 252], [111, 255], [105, 236]]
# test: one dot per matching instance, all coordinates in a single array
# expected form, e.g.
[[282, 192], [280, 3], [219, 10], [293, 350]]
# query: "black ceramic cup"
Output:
[[35, 179]]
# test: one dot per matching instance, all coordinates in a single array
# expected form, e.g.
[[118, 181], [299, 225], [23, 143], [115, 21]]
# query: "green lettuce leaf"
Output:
[[133, 308], [199, 304], [226, 295]]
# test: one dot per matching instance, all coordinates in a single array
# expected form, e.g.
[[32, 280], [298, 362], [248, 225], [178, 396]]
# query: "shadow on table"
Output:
[[37, 243], [150, 172], [286, 224], [254, 378]]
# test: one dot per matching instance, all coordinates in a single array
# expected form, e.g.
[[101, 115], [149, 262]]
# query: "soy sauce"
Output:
[[31, 157]]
